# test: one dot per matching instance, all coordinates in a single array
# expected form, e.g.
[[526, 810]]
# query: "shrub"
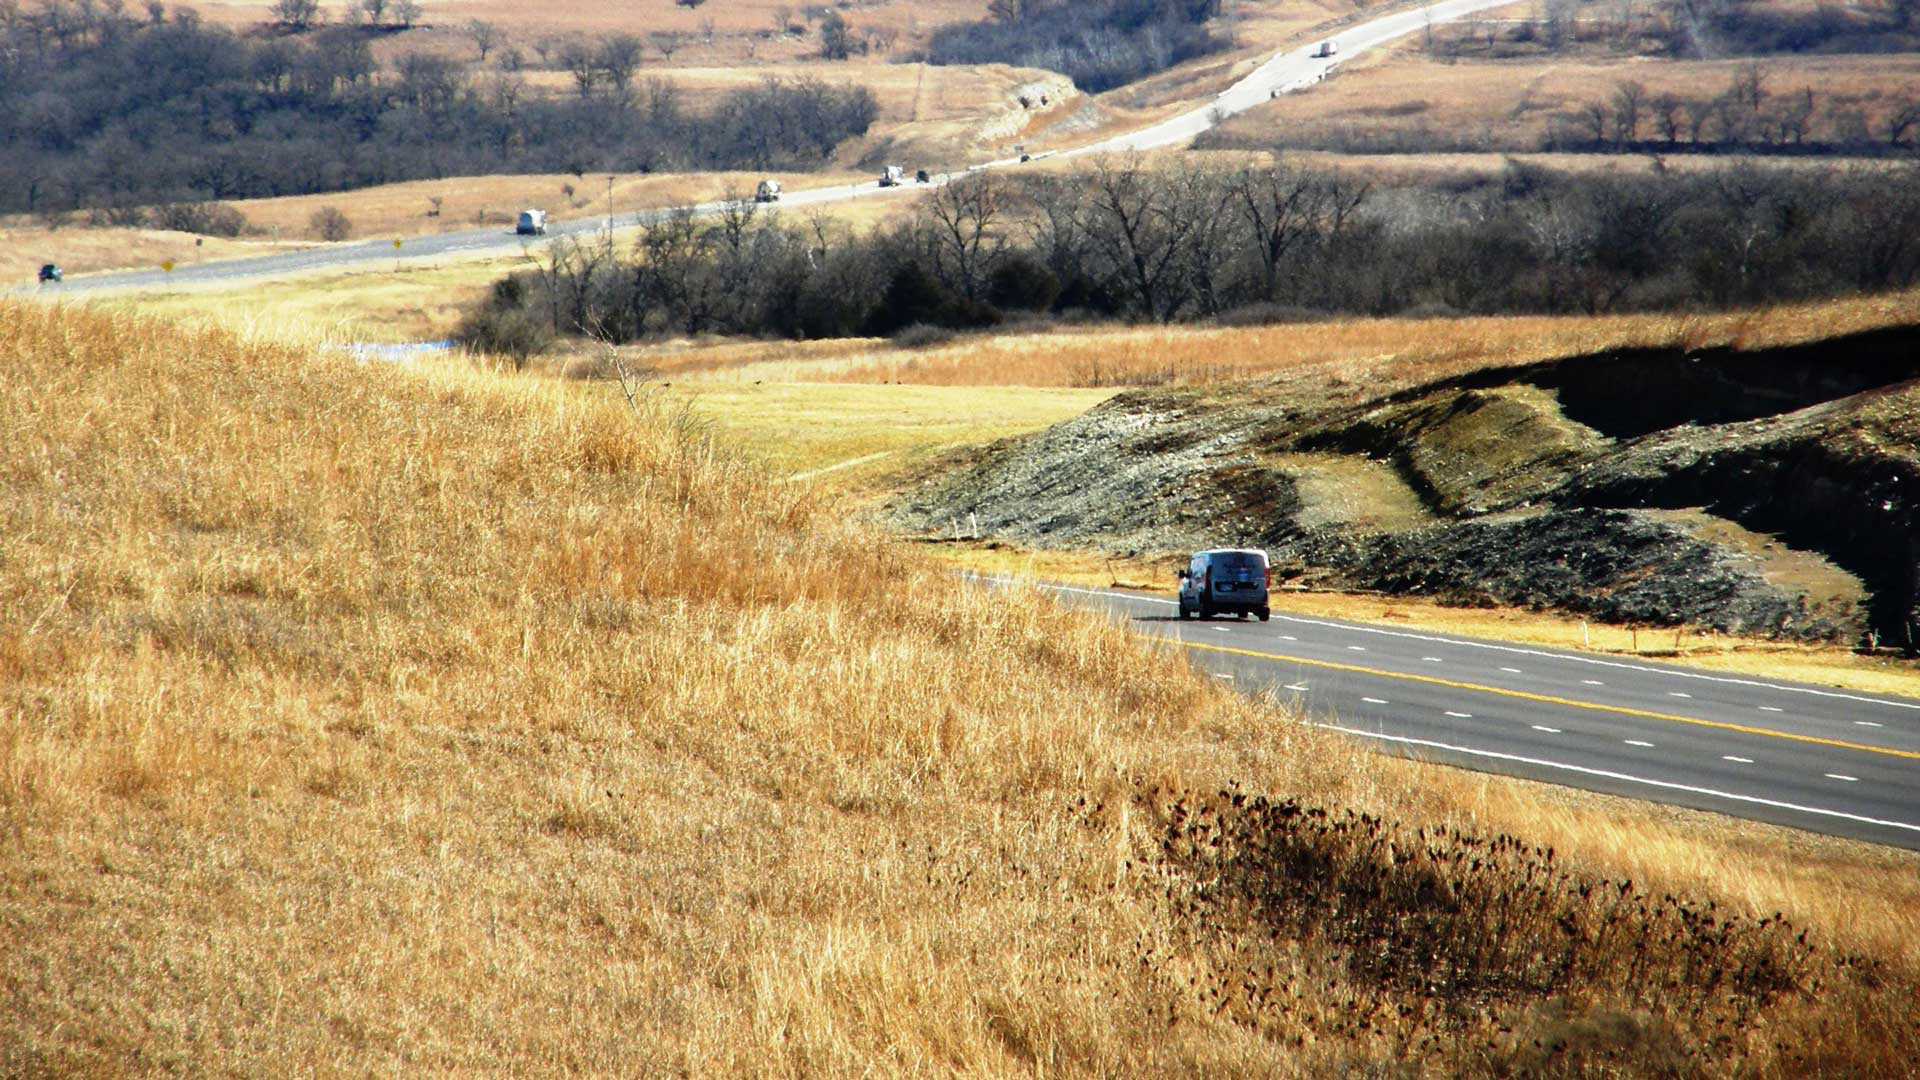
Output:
[[923, 336], [203, 218], [506, 330], [330, 224]]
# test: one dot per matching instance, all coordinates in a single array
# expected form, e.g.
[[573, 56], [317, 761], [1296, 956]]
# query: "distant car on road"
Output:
[[1325, 49], [532, 223], [893, 176], [922, 177], [1225, 581], [51, 272], [768, 191]]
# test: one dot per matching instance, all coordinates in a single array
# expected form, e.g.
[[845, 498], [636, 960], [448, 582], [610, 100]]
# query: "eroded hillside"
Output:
[[1773, 490]]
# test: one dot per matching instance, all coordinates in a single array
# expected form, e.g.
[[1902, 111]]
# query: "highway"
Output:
[[1285, 72], [1806, 757]]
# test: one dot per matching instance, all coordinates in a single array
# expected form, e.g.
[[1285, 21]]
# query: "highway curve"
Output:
[[1808, 757], [1283, 73]]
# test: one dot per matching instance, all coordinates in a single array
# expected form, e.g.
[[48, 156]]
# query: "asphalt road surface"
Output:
[[1807, 757], [1283, 73]]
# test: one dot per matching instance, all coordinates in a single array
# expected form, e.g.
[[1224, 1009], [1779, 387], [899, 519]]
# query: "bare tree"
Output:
[[375, 11], [297, 14], [667, 42], [583, 64], [406, 12], [963, 224], [1283, 208], [1902, 121], [1594, 119], [485, 35], [619, 60], [1667, 112], [1629, 97], [1143, 223]]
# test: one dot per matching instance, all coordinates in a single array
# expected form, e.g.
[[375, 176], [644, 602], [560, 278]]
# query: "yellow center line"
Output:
[[1548, 699]]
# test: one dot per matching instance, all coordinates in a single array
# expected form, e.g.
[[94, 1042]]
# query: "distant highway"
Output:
[[1283, 73], [1808, 757]]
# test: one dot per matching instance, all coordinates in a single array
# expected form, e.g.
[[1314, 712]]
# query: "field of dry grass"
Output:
[[1356, 350], [1403, 96], [364, 719]]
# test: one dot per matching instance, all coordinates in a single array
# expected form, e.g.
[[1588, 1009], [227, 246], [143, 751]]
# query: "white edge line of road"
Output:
[[1625, 777], [1523, 651]]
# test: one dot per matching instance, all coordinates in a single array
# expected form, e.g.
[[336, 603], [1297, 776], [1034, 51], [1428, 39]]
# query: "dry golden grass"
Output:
[[359, 719], [1350, 352], [1512, 104]]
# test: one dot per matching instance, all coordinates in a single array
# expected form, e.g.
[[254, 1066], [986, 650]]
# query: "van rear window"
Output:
[[1237, 560]]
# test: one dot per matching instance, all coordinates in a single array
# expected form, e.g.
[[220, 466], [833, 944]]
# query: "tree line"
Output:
[[1099, 44], [99, 108], [1191, 241]]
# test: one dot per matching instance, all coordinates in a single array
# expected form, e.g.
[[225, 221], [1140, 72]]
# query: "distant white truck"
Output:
[[532, 223], [894, 176], [768, 191], [1325, 49]]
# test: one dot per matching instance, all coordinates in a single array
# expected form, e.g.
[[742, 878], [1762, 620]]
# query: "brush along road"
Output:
[[1283, 73], [1806, 757]]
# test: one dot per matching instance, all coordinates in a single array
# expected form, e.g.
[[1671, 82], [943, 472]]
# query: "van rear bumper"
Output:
[[1235, 604]]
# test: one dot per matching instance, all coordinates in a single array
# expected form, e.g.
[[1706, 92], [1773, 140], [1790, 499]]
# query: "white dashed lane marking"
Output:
[[1638, 742], [1771, 708], [1356, 648], [1867, 723], [1433, 660], [1461, 715], [1592, 682], [1375, 701], [1221, 675], [1678, 693], [1548, 730], [1298, 688], [1737, 760], [1511, 670], [1843, 776], [1288, 637]]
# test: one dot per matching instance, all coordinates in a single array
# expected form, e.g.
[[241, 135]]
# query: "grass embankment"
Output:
[[359, 719]]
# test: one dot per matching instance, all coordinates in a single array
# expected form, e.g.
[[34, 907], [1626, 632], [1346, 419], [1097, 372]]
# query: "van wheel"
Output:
[[1264, 614], [1206, 612], [1185, 612]]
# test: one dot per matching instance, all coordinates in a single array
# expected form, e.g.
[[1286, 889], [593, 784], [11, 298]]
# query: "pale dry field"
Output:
[[363, 719], [1350, 349], [1512, 104]]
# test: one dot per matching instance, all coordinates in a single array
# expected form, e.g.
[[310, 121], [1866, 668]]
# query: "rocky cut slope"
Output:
[[1768, 491]]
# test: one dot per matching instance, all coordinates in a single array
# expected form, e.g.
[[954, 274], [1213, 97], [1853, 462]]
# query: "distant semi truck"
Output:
[[768, 191], [893, 176], [1325, 49], [532, 223]]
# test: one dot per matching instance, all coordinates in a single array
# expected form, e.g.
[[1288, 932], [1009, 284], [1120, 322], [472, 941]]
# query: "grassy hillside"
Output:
[[355, 719]]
